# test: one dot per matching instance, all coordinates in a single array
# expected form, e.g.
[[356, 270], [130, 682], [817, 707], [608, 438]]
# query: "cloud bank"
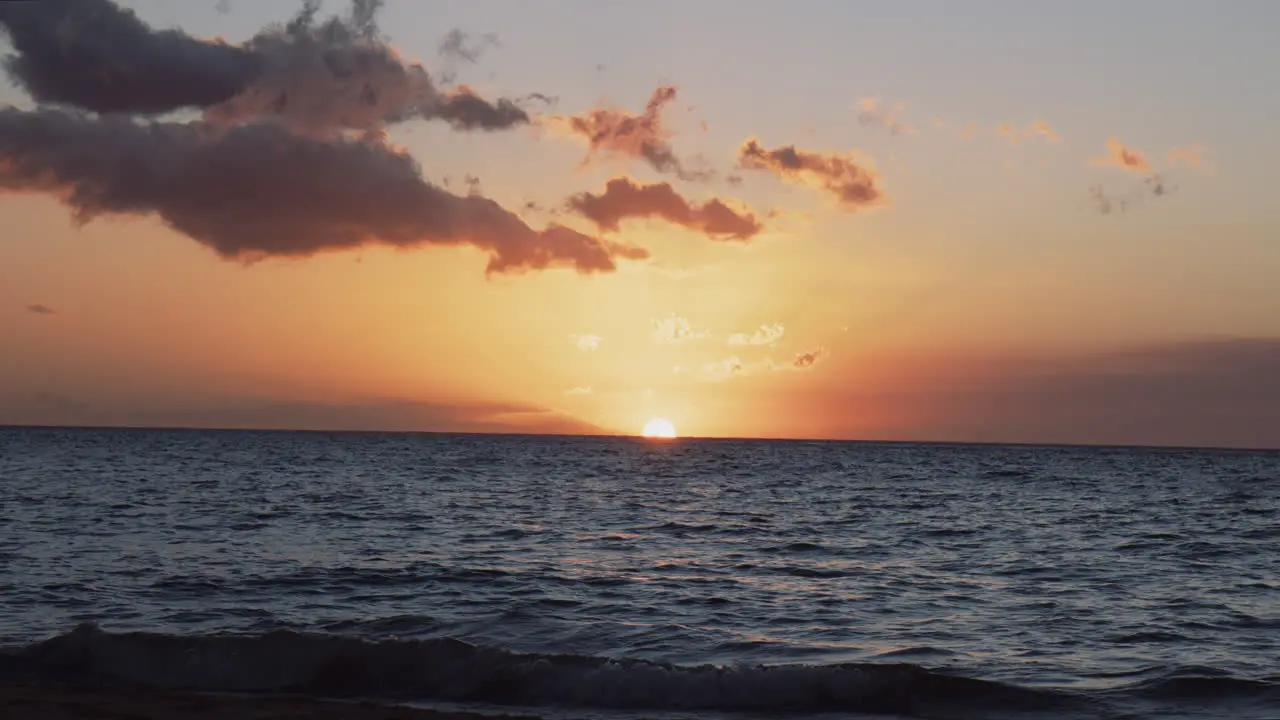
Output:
[[258, 191], [315, 76], [286, 161]]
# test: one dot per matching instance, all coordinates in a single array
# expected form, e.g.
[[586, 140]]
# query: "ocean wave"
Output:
[[454, 671]]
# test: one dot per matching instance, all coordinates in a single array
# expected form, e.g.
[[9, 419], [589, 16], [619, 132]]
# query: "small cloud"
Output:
[[579, 390], [642, 136], [1008, 132], [1190, 156], [1037, 129], [765, 335], [675, 330], [586, 342], [1040, 128], [38, 309], [854, 186], [969, 132], [726, 369], [623, 199], [806, 360], [1123, 157], [871, 112], [458, 45]]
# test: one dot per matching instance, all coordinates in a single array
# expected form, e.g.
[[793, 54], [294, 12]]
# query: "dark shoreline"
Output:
[[47, 701]]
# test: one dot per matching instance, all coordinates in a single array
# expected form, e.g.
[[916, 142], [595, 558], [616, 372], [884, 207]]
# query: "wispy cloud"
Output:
[[460, 46], [809, 358], [623, 199], [1122, 156], [38, 309], [1037, 129], [1040, 128], [764, 335], [1190, 156], [675, 330], [643, 136], [854, 186], [586, 342], [872, 112], [722, 370], [579, 390]]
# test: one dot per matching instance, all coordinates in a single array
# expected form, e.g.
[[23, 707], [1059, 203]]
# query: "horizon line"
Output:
[[632, 436]]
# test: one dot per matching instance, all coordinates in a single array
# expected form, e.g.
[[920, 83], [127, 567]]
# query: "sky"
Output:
[[1018, 222]]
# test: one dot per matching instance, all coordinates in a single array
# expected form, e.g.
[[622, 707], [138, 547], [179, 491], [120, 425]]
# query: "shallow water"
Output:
[[1068, 581]]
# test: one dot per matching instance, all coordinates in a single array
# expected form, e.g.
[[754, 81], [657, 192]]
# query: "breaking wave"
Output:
[[448, 670]]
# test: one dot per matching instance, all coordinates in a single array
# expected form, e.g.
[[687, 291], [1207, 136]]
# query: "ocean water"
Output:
[[622, 578]]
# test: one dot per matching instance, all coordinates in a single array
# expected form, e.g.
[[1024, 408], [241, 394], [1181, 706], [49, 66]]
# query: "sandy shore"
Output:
[[44, 702]]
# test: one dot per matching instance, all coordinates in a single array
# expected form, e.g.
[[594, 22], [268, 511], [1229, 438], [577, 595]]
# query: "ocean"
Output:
[[613, 578]]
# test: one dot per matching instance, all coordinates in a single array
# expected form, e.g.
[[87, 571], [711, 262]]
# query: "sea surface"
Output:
[[621, 578]]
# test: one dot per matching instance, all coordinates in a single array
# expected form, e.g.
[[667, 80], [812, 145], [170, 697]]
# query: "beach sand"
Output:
[[51, 702]]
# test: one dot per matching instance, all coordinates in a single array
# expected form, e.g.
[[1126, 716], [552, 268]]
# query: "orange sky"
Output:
[[850, 265]]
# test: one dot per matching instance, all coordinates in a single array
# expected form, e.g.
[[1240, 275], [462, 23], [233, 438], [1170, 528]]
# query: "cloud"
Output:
[[457, 45], [853, 186], [1190, 156], [258, 191], [733, 366], [808, 359], [969, 132], [1123, 157], [316, 77], [765, 335], [266, 414], [1037, 129], [1040, 128], [871, 112], [722, 370], [620, 132], [38, 309], [1107, 203], [675, 330], [623, 199], [586, 342], [579, 391], [1202, 393]]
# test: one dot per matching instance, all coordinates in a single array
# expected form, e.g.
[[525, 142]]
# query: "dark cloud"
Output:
[[458, 45], [376, 415], [38, 309], [1154, 185], [854, 187], [315, 76], [643, 136], [808, 359], [623, 199], [258, 191], [98, 56]]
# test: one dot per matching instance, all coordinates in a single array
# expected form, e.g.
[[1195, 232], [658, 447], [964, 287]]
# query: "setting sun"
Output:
[[659, 428]]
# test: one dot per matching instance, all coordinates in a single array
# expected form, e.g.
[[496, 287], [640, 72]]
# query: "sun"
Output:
[[659, 428]]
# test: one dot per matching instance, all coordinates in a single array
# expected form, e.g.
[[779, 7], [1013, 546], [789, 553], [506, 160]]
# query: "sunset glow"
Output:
[[885, 245], [659, 428]]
